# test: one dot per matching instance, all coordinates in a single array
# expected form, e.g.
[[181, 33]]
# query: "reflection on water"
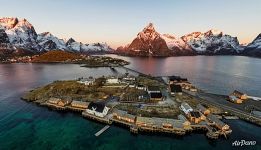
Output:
[[219, 74]]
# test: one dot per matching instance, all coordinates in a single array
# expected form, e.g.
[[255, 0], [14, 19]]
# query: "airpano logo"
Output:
[[243, 143]]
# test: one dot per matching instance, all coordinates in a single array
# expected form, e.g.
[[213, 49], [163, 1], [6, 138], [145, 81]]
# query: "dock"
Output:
[[102, 130], [254, 98]]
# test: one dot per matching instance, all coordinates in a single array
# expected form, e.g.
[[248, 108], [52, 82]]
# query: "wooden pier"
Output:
[[99, 119], [102, 130], [254, 98]]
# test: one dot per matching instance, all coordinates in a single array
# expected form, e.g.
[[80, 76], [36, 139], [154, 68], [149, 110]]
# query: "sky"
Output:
[[117, 22]]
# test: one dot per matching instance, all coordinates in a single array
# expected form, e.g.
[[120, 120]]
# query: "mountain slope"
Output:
[[254, 48], [47, 41], [147, 43], [21, 33], [17, 34], [212, 42]]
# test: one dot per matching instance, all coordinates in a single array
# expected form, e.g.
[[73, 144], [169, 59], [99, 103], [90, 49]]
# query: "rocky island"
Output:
[[142, 103]]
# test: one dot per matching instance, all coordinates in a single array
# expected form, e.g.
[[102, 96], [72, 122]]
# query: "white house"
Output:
[[128, 78], [98, 109], [113, 80], [185, 107], [141, 87], [87, 81]]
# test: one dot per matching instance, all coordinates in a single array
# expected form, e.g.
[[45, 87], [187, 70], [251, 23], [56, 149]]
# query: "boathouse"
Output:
[[218, 123], [195, 116], [203, 109], [64, 102], [239, 95], [79, 104], [160, 124], [53, 100], [123, 116], [185, 108], [234, 99], [97, 108]]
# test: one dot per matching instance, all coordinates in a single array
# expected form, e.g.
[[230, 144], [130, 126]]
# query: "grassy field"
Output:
[[71, 89]]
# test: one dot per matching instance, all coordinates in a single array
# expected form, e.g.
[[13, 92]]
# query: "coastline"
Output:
[[110, 121]]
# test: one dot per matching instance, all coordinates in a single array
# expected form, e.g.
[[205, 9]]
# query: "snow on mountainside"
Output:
[[212, 42], [256, 42], [21, 33], [80, 47], [254, 48], [173, 42], [147, 43], [47, 41]]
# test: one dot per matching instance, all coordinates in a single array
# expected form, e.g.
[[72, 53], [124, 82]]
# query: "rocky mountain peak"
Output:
[[149, 28], [70, 41], [213, 32], [8, 22], [148, 33], [258, 37]]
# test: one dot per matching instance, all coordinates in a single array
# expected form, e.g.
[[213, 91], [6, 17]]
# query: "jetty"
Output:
[[254, 98], [102, 130]]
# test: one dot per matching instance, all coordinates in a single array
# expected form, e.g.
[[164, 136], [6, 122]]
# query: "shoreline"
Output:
[[110, 121]]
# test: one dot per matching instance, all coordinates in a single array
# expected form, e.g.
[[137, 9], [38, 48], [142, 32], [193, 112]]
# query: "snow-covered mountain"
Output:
[[47, 41], [212, 42], [147, 43], [209, 43], [85, 48], [254, 48], [22, 35]]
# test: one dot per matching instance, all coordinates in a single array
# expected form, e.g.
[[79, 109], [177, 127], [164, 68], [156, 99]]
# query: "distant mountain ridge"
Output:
[[213, 42], [20, 34]]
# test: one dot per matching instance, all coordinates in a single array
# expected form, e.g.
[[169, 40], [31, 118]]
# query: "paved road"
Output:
[[220, 101]]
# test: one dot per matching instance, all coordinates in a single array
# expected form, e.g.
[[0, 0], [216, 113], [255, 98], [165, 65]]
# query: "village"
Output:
[[143, 104], [57, 56]]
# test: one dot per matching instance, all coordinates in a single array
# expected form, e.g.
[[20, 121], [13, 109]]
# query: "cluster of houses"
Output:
[[237, 97], [151, 123], [202, 114], [146, 94], [22, 59], [98, 108], [176, 84]]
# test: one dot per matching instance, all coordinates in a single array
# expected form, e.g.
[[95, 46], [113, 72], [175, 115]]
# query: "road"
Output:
[[221, 102]]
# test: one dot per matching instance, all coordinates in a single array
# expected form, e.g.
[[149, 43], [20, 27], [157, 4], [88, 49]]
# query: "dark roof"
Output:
[[140, 85], [177, 78], [155, 95], [195, 114], [153, 88], [175, 88], [172, 78], [99, 106]]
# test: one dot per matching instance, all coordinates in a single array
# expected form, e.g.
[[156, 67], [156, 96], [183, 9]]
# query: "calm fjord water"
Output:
[[27, 126]]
